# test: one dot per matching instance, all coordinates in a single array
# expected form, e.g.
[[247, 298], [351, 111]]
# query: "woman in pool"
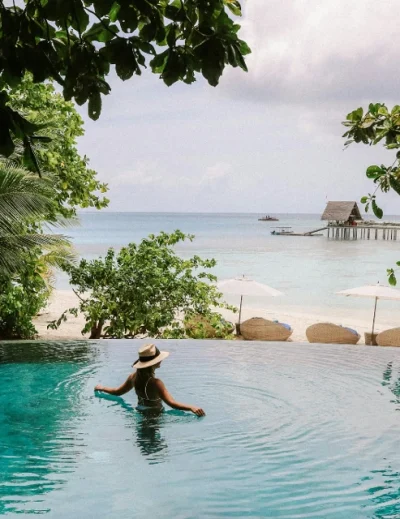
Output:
[[151, 391]]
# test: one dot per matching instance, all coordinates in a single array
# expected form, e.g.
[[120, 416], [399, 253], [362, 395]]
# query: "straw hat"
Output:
[[149, 355]]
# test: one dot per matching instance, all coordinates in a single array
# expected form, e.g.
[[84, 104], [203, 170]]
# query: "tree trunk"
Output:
[[95, 332]]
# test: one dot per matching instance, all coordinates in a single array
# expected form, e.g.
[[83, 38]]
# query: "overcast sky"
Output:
[[266, 141]]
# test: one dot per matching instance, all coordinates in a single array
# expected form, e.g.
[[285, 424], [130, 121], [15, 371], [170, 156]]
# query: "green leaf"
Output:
[[6, 143], [244, 48], [356, 115], [115, 8], [158, 62], [212, 55], [392, 278], [394, 184], [174, 68], [148, 32], [175, 13], [29, 157], [94, 108], [127, 18], [364, 199], [374, 172], [41, 138], [383, 110], [146, 47], [100, 33], [79, 17], [376, 210], [234, 6], [126, 64]]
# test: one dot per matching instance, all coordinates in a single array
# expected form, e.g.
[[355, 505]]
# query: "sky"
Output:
[[268, 141]]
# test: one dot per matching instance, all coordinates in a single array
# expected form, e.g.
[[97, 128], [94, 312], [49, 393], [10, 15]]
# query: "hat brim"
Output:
[[142, 364]]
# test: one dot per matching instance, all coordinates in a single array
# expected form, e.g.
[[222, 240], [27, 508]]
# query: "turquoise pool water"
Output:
[[291, 432]]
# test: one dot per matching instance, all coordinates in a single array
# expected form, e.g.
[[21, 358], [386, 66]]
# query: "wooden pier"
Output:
[[362, 232]]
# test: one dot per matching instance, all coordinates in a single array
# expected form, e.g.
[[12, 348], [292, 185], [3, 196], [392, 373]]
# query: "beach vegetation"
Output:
[[75, 184], [145, 290], [27, 252], [76, 42], [22, 296], [25, 202], [378, 125], [210, 326]]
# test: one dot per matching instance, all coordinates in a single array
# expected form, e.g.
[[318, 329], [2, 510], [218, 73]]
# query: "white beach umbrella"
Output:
[[373, 291], [246, 287]]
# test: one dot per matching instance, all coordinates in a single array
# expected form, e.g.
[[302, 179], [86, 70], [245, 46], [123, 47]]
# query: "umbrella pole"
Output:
[[373, 321], [240, 315]]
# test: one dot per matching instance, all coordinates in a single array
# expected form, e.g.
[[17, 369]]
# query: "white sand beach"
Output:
[[299, 320]]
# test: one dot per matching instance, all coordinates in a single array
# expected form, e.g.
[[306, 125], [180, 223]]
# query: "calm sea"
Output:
[[307, 269]]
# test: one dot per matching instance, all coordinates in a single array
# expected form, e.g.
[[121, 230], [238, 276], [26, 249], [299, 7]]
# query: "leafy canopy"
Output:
[[21, 298], [55, 151], [141, 290], [75, 42], [378, 125]]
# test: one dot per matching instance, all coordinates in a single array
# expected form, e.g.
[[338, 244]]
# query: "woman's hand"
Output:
[[99, 387], [197, 411]]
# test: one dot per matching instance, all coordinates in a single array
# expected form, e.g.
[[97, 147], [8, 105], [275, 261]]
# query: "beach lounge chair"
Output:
[[389, 337], [329, 333], [259, 329]]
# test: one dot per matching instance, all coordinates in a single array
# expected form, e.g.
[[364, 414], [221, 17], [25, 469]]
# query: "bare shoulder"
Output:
[[132, 378], [158, 383]]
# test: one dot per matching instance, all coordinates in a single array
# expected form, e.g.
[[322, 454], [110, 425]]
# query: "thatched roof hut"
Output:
[[341, 212]]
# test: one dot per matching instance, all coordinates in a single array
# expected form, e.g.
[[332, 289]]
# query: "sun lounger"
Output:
[[329, 333], [389, 337], [259, 329]]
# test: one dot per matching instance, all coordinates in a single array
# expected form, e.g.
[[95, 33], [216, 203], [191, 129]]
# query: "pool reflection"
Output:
[[392, 381], [148, 425]]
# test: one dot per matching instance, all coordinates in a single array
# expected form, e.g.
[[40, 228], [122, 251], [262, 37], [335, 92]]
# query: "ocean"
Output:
[[309, 270]]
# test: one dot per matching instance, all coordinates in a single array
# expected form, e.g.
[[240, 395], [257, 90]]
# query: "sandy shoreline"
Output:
[[299, 320]]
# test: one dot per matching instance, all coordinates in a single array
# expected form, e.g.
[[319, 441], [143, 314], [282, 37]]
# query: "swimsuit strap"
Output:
[[145, 388], [146, 396]]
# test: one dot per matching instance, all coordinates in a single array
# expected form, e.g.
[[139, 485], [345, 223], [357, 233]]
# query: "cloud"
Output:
[[214, 174], [308, 51], [147, 173]]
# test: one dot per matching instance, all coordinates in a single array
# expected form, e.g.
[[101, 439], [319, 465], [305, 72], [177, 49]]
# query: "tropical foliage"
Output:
[[210, 326], [75, 184], [377, 125], [75, 42], [27, 254], [25, 201], [144, 290], [22, 296]]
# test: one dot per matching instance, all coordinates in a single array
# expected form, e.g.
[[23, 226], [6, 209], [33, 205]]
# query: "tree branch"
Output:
[[78, 296], [103, 23]]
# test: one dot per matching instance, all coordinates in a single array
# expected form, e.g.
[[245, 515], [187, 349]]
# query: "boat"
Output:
[[268, 218], [282, 231]]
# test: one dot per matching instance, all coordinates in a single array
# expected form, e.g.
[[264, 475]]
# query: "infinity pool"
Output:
[[292, 431]]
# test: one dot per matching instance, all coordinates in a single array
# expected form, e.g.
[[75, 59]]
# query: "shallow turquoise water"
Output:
[[291, 432], [307, 270]]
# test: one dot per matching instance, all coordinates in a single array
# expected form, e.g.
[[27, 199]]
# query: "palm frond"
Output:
[[24, 197], [13, 248]]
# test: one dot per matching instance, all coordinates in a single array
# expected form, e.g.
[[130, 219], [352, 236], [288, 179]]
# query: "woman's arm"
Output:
[[169, 400], [118, 391]]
